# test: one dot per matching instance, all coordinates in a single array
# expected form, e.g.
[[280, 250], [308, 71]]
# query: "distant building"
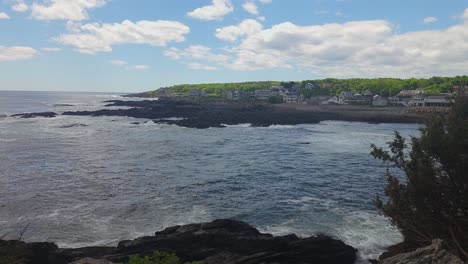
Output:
[[367, 93], [379, 101], [395, 101], [345, 96], [311, 86], [233, 95], [198, 94], [263, 95], [439, 100]]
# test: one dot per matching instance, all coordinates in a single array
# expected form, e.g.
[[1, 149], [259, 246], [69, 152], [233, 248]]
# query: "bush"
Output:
[[432, 202], [158, 257]]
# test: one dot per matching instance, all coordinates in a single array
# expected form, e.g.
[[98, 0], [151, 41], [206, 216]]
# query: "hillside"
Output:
[[330, 86]]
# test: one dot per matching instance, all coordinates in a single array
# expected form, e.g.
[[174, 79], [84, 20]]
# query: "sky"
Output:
[[140, 45]]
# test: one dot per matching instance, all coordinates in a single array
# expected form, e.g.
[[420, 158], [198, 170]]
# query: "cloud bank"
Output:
[[95, 37]]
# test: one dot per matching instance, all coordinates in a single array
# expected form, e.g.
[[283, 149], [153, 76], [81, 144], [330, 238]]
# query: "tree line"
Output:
[[331, 86]]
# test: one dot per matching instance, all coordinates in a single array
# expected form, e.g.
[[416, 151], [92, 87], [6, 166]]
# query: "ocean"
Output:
[[87, 181]]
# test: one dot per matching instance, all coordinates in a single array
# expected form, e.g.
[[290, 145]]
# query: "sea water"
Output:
[[86, 181]]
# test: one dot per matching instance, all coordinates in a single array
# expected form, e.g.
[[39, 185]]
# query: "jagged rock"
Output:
[[436, 253], [232, 242], [221, 241], [33, 115]]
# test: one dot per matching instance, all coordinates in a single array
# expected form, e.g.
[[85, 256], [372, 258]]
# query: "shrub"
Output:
[[158, 257], [432, 202]]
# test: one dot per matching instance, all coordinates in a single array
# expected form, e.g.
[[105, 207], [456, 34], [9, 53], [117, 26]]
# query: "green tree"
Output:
[[432, 201]]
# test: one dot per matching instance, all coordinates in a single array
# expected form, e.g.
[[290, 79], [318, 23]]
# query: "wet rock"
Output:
[[74, 125], [62, 105], [436, 253], [33, 115], [220, 241]]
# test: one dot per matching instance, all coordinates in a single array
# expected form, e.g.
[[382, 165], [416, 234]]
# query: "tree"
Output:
[[432, 200]]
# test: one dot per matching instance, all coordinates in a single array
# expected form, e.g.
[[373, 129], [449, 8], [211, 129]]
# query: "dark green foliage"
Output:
[[330, 86], [432, 202], [158, 257], [14, 253]]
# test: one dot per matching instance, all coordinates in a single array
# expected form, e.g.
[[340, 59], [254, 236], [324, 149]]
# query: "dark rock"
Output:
[[60, 105], [221, 241], [436, 253], [74, 125], [33, 115]]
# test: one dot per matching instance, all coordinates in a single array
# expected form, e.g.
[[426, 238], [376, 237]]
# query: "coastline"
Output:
[[220, 241], [205, 115]]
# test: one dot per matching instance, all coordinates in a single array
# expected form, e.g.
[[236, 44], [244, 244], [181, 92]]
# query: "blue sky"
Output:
[[129, 46]]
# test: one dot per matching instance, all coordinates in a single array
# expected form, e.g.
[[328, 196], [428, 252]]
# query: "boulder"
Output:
[[436, 253], [220, 241]]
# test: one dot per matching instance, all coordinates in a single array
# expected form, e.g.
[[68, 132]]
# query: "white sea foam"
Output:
[[281, 126], [369, 233]]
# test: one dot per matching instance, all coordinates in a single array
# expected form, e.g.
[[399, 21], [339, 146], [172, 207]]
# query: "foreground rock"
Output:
[[221, 241], [33, 115], [436, 253]]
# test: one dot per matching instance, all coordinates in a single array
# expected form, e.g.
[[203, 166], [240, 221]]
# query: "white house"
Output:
[[233, 95], [345, 96]]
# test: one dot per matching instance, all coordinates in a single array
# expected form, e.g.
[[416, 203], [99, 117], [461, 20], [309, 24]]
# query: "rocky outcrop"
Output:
[[205, 115], [436, 253], [221, 241], [33, 115]]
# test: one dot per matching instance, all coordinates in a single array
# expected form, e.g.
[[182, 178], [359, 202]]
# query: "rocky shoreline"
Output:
[[220, 241], [223, 241], [205, 115]]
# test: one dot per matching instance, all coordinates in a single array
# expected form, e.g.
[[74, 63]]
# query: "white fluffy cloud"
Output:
[[251, 7], [373, 48], [65, 9], [92, 38], [429, 20], [139, 67], [20, 6], [197, 52], [122, 63], [4, 15], [51, 49], [247, 27], [199, 66], [16, 53], [118, 63], [216, 11]]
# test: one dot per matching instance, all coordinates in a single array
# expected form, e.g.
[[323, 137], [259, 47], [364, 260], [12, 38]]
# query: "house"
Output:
[[439, 100], [317, 100], [263, 95], [333, 100], [291, 98], [198, 94], [395, 101], [233, 95], [278, 90], [367, 93], [378, 100], [345, 96], [311, 86]]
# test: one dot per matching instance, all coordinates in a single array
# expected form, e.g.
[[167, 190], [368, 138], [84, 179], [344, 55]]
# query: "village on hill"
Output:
[[294, 93]]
